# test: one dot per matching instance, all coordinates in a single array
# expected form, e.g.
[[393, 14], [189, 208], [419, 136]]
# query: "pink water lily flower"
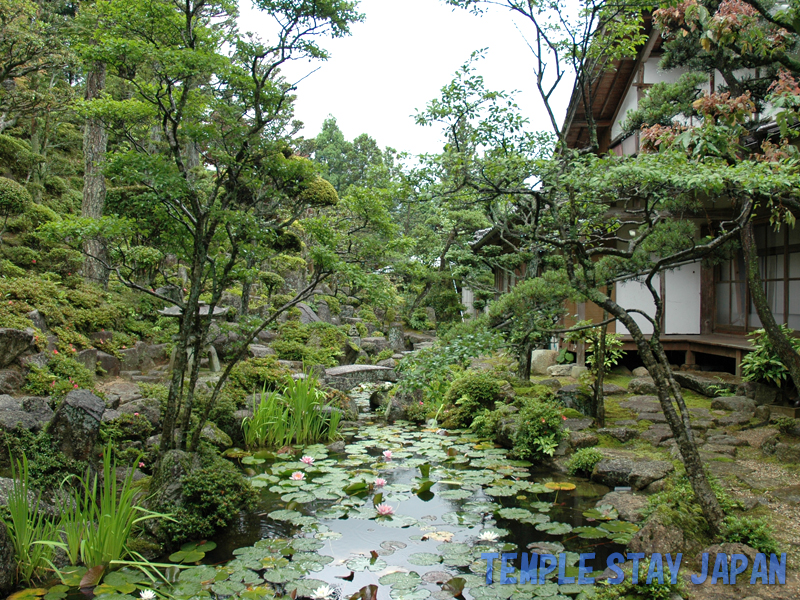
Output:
[[380, 482], [384, 510], [309, 460], [387, 454], [298, 476]]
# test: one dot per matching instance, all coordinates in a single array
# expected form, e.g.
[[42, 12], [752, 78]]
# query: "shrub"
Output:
[[13, 198], [306, 354], [419, 320], [762, 363], [676, 505], [540, 429], [333, 304], [468, 395], [384, 355], [627, 590], [211, 498], [583, 461], [127, 433], [752, 531], [786, 425], [48, 466], [255, 374], [60, 376]]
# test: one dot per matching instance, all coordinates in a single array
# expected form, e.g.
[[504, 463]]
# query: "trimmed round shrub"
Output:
[[255, 374], [319, 192], [13, 197]]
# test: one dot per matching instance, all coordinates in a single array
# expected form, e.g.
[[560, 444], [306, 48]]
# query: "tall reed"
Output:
[[31, 532], [99, 521], [297, 414]]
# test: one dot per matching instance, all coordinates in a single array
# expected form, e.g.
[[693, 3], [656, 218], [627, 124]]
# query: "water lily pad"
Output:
[[513, 513], [284, 515], [590, 533], [306, 544], [462, 518], [199, 574], [554, 528], [560, 485], [604, 512], [366, 563], [456, 494], [424, 559], [283, 574], [401, 580]]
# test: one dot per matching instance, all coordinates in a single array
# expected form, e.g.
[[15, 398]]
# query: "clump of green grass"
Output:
[[296, 414]]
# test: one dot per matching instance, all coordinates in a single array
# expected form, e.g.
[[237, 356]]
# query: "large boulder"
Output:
[[642, 386], [14, 344], [8, 563], [109, 363], [31, 413], [637, 474], [88, 358], [215, 436], [657, 537], [149, 408], [76, 424], [307, 315], [740, 403], [703, 385], [374, 345], [559, 370], [541, 360], [399, 403], [627, 504], [10, 381]]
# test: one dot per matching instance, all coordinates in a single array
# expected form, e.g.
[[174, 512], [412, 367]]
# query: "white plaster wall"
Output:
[[631, 102], [634, 294], [682, 299]]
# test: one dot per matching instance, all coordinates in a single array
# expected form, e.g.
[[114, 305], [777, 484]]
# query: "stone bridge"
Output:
[[347, 377]]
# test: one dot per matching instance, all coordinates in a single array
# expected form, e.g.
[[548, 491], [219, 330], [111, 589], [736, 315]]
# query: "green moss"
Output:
[[319, 192], [48, 465], [13, 197]]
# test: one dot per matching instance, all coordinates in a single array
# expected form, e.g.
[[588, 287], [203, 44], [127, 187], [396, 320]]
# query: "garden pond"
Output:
[[446, 499]]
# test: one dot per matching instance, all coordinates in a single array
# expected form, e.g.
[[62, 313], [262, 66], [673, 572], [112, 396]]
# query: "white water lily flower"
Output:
[[147, 595], [323, 592], [488, 536], [298, 476]]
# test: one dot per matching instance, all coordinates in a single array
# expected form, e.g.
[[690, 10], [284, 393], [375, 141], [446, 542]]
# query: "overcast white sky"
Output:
[[397, 60]]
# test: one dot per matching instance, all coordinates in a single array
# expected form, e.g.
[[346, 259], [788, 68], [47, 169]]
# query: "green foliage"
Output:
[[27, 526], [211, 498], [102, 514], [591, 336], [786, 425], [583, 461], [431, 367], [469, 394], [257, 373], [308, 355], [565, 357], [127, 434], [676, 505], [333, 305], [665, 101], [84, 308], [751, 531], [47, 466], [419, 320], [762, 363], [486, 424], [384, 354], [627, 590], [61, 375], [299, 413], [539, 429], [13, 197]]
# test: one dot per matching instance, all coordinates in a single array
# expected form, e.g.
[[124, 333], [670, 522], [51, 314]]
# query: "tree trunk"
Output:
[[655, 361], [600, 370], [95, 140], [775, 335], [524, 361]]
